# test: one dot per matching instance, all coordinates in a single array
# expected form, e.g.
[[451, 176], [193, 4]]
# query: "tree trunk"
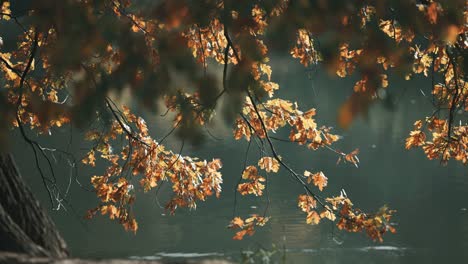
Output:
[[25, 227]]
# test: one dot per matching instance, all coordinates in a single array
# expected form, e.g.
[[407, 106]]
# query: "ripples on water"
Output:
[[382, 254]]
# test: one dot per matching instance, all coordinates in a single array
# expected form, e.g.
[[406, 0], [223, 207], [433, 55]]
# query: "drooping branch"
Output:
[[33, 144], [294, 174]]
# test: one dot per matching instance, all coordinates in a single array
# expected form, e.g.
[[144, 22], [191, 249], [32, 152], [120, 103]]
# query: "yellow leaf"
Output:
[[327, 214], [6, 10], [313, 218], [320, 180], [250, 172], [237, 222], [269, 164], [266, 69]]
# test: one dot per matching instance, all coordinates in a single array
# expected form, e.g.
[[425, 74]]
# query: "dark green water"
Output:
[[432, 219]]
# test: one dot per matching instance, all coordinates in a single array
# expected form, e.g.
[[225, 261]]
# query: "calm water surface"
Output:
[[432, 219]]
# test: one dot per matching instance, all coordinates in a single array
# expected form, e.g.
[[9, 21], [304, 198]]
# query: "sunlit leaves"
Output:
[[90, 159], [279, 113], [438, 145], [351, 157], [6, 12], [242, 130], [259, 18], [116, 196], [393, 30], [304, 50], [366, 14], [308, 205], [313, 218], [9, 73], [247, 226], [328, 214], [318, 179], [269, 164], [416, 138], [354, 220], [259, 72], [432, 12], [347, 60], [138, 24], [375, 226], [250, 173], [255, 183], [208, 42], [438, 137], [191, 179], [349, 218]]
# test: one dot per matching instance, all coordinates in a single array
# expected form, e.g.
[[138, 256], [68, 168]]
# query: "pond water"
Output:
[[431, 200]]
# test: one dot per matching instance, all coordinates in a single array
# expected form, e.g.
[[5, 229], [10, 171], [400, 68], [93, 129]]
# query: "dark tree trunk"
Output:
[[25, 226]]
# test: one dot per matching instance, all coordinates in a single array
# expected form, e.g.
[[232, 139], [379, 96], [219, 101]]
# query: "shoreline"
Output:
[[18, 258]]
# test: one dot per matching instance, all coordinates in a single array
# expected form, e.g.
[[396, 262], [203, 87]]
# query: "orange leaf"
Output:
[[269, 164], [432, 12], [320, 180], [313, 218], [240, 235], [237, 222], [250, 173]]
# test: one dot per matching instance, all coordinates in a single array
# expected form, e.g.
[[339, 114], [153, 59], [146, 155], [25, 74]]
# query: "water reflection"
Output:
[[430, 199]]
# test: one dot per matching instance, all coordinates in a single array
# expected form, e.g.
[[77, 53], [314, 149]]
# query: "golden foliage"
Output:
[[45, 90], [440, 145], [304, 49], [247, 226], [318, 179], [192, 179], [255, 182], [279, 113], [269, 164], [6, 12]]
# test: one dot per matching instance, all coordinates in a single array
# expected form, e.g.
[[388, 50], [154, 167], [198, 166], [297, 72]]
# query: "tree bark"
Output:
[[25, 226]]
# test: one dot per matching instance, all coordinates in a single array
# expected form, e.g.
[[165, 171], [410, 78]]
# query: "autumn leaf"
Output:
[[237, 222], [130, 225], [416, 138], [52, 96], [328, 214], [247, 226], [432, 12], [266, 69], [239, 235], [110, 210], [313, 218], [270, 87], [90, 159], [383, 80], [269, 164], [352, 157], [254, 187], [250, 173], [6, 10], [306, 202], [318, 179]]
